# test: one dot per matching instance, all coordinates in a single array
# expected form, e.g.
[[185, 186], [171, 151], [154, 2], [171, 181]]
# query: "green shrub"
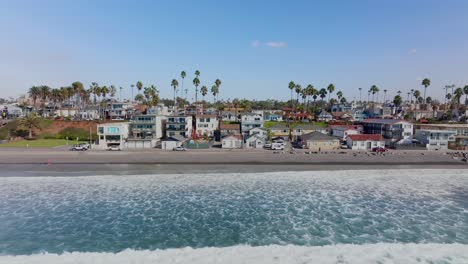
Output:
[[3, 133], [48, 136], [73, 133]]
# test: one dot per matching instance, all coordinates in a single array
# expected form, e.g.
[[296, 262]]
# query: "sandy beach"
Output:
[[223, 157]]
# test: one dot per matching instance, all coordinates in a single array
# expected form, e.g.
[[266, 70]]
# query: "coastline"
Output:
[[54, 162]]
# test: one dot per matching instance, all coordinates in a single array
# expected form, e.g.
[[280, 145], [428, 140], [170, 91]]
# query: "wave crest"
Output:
[[350, 254]]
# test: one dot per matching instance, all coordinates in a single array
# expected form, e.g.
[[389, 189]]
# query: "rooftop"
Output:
[[318, 137], [385, 121], [224, 126], [366, 137]]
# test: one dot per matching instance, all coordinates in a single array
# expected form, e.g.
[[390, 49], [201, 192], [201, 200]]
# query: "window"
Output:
[[112, 130], [101, 130]]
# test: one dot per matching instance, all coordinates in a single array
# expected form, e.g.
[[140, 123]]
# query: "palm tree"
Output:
[[214, 91], [120, 93], [196, 83], [151, 95], [448, 96], [291, 87], [112, 91], [385, 95], [94, 90], [132, 86], [56, 95], [458, 94], [183, 74], [34, 93], [139, 86], [322, 93], [426, 82], [330, 90], [310, 90], [139, 98], [374, 89], [465, 90], [105, 91], [298, 90], [218, 84], [45, 93], [409, 96], [174, 85], [204, 91], [343, 100], [397, 100], [412, 93], [78, 89], [360, 93], [416, 94], [30, 122], [339, 94]]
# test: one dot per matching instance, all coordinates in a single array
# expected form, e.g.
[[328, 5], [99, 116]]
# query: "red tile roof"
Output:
[[365, 137]]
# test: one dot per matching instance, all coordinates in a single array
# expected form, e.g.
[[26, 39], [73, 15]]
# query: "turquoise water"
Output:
[[116, 213]]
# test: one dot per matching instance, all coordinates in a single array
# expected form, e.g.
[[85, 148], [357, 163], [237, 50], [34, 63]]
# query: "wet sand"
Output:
[[57, 161]]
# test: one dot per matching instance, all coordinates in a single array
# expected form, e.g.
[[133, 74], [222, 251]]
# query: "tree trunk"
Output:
[[30, 132]]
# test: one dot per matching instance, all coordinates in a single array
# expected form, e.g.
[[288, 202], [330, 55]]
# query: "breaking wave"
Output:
[[337, 254]]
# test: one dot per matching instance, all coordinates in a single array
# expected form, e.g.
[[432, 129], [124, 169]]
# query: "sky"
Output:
[[255, 47]]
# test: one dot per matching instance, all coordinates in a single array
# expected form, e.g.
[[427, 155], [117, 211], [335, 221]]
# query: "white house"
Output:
[[172, 142], [324, 116], [365, 141], [251, 120], [259, 131], [206, 125], [342, 131], [179, 125], [255, 141], [393, 130], [232, 142], [112, 134], [435, 139]]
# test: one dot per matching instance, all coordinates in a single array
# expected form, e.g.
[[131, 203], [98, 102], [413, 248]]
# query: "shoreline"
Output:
[[56, 162]]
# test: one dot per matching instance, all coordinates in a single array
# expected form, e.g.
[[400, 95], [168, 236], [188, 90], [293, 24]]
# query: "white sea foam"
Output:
[[338, 254]]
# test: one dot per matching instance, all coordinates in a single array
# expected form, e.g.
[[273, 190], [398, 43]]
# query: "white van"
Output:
[[277, 146]]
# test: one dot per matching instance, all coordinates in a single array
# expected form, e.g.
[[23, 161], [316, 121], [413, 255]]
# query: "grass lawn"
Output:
[[38, 143]]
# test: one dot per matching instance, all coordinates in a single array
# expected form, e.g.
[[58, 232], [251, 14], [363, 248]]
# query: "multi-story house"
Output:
[[393, 130], [206, 125], [435, 139], [461, 133], [112, 134], [179, 125], [251, 120]]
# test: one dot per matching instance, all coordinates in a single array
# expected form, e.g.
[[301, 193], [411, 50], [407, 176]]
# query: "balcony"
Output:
[[176, 129]]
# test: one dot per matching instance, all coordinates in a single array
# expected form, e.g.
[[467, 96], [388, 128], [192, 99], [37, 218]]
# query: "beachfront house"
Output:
[[230, 116], [259, 131], [365, 141], [179, 125], [112, 134], [231, 142], [324, 116], [251, 120], [206, 125], [172, 142], [227, 129], [271, 116], [317, 141], [255, 141], [435, 139], [461, 133], [393, 130], [342, 131], [146, 130]]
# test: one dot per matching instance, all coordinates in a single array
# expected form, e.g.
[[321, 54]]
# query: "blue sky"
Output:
[[254, 47]]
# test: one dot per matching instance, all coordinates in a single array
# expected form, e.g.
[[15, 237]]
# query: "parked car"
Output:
[[114, 148], [179, 148], [86, 145], [277, 146], [379, 149], [78, 147], [267, 146]]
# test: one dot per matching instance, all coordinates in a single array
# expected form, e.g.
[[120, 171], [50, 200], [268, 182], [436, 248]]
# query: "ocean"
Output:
[[337, 216]]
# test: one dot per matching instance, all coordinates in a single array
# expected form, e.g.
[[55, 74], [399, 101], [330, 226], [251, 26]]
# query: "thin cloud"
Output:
[[256, 44], [277, 44], [413, 51]]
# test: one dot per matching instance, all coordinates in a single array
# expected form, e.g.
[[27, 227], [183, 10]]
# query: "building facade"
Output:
[[393, 130], [206, 125], [112, 134], [179, 125], [251, 120], [365, 142], [435, 139]]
